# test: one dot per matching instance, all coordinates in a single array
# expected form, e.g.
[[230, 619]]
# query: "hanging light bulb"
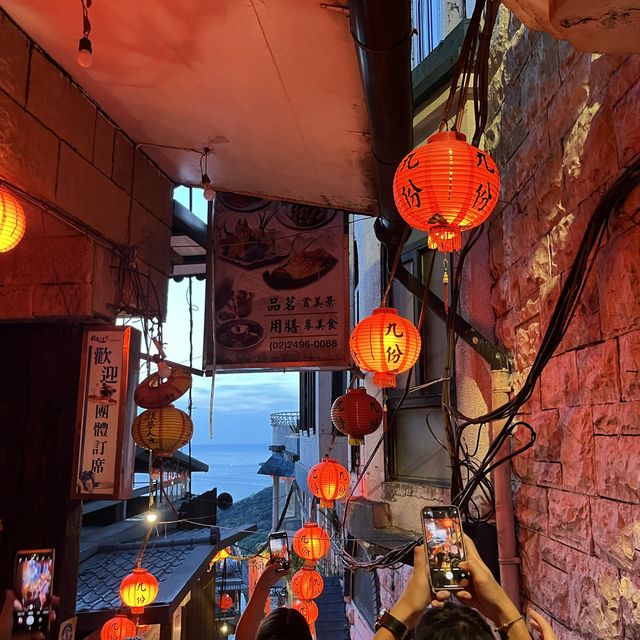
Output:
[[209, 191], [151, 517], [85, 50]]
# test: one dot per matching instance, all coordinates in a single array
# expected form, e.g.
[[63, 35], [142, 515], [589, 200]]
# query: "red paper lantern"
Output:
[[118, 628], [307, 584], [162, 431], [308, 608], [445, 187], [329, 481], [356, 414], [138, 590], [13, 222], [386, 344], [225, 601], [311, 542]]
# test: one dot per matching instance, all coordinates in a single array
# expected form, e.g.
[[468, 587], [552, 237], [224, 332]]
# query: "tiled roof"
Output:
[[277, 465], [332, 621]]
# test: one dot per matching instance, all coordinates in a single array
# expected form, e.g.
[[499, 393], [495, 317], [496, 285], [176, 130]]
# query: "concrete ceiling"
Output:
[[272, 86]]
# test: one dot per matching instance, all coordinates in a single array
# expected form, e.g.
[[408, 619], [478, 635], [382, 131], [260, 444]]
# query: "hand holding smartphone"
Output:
[[33, 588], [279, 548], [444, 546]]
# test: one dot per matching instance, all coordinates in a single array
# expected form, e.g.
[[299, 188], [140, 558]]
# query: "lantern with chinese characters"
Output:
[[329, 481], [13, 222], [225, 601], [307, 584], [162, 431], [118, 628], [138, 590], [308, 608], [445, 187], [386, 344], [311, 542], [356, 414]]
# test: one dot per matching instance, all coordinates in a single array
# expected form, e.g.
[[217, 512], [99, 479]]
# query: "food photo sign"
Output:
[[280, 294]]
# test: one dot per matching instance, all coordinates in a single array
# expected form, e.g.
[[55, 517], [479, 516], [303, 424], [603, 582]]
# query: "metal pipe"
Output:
[[505, 522]]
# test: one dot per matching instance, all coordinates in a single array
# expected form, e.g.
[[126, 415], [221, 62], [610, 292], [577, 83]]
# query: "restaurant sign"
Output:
[[104, 447], [280, 277]]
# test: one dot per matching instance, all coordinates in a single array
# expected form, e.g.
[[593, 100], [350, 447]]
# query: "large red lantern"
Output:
[[356, 414], [307, 584], [225, 601], [308, 608], [118, 628], [13, 222], [329, 481], [386, 344], [445, 187], [162, 431], [138, 590], [311, 542]]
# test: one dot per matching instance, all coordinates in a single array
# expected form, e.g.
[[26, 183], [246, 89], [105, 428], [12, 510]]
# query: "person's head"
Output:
[[284, 624], [453, 622]]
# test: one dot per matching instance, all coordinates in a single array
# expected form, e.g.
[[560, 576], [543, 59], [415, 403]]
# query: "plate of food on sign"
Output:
[[304, 216]]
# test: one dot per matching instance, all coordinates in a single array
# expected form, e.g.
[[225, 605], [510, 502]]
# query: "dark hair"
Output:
[[453, 622], [284, 624]]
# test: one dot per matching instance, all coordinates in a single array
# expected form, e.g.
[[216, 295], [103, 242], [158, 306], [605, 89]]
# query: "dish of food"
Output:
[[251, 247], [237, 304], [301, 269], [303, 216], [239, 334]]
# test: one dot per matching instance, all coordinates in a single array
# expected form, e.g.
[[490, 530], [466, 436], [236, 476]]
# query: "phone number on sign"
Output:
[[280, 345]]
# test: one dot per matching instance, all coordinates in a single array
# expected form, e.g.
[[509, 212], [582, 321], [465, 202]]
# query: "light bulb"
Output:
[[209, 191], [151, 517], [224, 628], [85, 60]]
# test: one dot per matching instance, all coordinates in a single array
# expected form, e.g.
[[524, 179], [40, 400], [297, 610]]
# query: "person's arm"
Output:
[[6, 619], [252, 616]]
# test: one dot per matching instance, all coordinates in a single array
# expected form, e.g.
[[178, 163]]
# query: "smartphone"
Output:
[[33, 585], [444, 546], [279, 548]]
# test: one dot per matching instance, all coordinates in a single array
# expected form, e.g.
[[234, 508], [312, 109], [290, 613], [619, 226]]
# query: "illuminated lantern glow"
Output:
[[307, 584], [138, 590], [311, 542], [329, 481], [162, 431], [385, 344], [118, 628], [13, 222], [223, 554], [225, 601], [446, 186], [308, 608], [356, 414]]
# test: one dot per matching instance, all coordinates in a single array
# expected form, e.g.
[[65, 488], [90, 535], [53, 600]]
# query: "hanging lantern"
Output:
[[225, 601], [329, 481], [162, 431], [356, 414], [446, 186], [311, 542], [118, 628], [157, 391], [308, 608], [138, 590], [13, 222], [307, 584], [386, 344]]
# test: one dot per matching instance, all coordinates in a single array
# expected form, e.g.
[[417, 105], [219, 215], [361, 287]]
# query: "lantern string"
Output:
[[190, 400], [396, 262]]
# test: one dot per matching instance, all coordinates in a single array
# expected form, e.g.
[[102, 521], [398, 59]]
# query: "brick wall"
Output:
[[58, 146], [562, 126]]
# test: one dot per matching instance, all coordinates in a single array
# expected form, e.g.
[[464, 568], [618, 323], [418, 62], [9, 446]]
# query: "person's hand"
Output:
[[6, 619], [541, 625], [271, 575]]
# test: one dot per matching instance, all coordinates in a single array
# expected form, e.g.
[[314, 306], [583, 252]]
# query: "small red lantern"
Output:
[[308, 608], [138, 590], [329, 481], [311, 542], [225, 601], [13, 222], [446, 186], [356, 414], [307, 584], [386, 344], [118, 628]]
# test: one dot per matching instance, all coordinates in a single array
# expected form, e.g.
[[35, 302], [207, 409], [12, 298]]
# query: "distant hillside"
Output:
[[257, 509]]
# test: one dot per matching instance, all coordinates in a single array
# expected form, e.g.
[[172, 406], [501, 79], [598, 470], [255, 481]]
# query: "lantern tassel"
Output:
[[445, 283]]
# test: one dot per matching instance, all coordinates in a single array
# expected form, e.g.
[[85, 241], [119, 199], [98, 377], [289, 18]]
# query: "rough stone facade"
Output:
[[562, 127], [60, 148]]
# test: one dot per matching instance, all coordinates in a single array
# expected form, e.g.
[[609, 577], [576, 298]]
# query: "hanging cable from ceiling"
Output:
[[85, 49]]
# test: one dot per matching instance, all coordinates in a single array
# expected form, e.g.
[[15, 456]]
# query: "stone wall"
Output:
[[562, 125], [74, 163]]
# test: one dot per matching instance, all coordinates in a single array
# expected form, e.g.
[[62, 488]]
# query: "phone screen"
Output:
[[33, 583], [279, 548], [444, 546]]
